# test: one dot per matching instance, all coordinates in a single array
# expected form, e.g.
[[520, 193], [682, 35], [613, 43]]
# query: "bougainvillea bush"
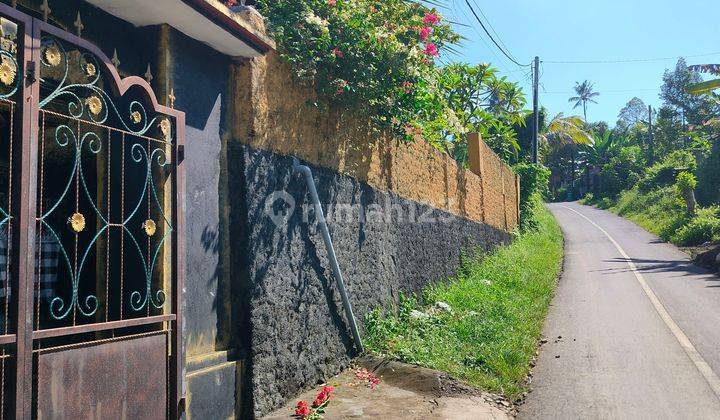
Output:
[[381, 58]]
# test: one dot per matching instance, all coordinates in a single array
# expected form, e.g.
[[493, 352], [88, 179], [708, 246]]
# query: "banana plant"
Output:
[[707, 85]]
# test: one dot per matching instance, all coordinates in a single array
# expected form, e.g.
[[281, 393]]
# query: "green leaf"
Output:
[[704, 87]]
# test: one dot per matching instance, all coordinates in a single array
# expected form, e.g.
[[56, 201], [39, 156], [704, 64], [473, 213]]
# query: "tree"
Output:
[[635, 111], [471, 98], [675, 92], [524, 132], [605, 146], [566, 130], [585, 94], [563, 139]]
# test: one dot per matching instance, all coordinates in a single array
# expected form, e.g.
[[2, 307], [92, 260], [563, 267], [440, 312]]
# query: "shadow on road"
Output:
[[682, 268]]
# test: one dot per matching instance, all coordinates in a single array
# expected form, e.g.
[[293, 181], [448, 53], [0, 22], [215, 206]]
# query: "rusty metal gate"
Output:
[[90, 250]]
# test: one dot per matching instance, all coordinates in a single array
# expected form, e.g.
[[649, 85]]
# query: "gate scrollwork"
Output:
[[92, 124]]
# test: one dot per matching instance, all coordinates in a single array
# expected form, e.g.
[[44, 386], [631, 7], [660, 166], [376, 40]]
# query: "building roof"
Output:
[[238, 34]]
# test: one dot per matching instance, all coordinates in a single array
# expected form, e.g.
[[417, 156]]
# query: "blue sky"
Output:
[[564, 30]]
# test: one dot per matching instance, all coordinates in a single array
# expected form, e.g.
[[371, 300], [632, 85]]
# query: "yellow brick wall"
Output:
[[272, 112]]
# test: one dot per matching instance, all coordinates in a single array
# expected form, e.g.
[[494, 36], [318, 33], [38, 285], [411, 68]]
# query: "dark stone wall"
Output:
[[296, 327]]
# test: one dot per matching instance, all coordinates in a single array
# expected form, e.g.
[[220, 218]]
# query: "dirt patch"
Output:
[[705, 255], [405, 392]]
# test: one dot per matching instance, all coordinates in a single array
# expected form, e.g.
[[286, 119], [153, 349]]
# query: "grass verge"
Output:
[[663, 213], [498, 302], [660, 212]]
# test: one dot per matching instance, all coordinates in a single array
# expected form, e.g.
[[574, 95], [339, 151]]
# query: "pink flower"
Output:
[[331, 2], [373, 381], [425, 32], [431, 49], [407, 86], [342, 84], [231, 3], [431, 18], [339, 54]]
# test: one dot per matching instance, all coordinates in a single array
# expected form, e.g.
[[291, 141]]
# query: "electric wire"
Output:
[[502, 50], [474, 28], [630, 60]]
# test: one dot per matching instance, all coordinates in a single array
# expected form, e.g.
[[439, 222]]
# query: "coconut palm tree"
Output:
[[566, 135], [585, 94]]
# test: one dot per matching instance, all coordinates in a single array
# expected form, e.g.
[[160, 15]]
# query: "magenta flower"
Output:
[[425, 32], [431, 49], [431, 18]]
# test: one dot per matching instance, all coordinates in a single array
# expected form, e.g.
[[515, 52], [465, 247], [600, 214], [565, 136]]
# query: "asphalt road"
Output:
[[634, 329]]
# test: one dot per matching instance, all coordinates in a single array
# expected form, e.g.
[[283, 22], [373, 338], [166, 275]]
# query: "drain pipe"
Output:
[[307, 174]]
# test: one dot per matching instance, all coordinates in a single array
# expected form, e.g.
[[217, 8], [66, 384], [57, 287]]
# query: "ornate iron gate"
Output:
[[90, 243]]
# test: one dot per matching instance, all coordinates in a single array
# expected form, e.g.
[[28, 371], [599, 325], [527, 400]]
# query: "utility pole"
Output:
[[536, 111], [651, 144]]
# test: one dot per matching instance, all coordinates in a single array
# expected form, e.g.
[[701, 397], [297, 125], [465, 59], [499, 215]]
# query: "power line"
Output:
[[499, 38], [631, 60], [606, 91], [502, 50], [474, 28]]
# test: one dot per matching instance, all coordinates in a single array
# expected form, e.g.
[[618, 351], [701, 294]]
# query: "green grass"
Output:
[[499, 305], [660, 211], [663, 213]]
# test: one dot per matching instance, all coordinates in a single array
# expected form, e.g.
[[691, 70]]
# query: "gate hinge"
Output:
[[30, 72], [180, 153]]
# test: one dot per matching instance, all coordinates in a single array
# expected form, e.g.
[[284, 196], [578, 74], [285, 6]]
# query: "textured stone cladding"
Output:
[[271, 112], [297, 329]]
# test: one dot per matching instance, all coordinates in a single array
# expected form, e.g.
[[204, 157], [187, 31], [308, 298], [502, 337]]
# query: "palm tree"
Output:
[[585, 94], [566, 134], [564, 130]]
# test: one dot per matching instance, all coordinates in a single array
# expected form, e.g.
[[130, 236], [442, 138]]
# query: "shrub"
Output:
[[533, 186], [381, 59], [622, 172], [605, 203], [588, 199], [686, 181], [663, 173], [708, 173], [661, 211], [704, 227]]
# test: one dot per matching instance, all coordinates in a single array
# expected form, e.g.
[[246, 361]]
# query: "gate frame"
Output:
[[23, 263]]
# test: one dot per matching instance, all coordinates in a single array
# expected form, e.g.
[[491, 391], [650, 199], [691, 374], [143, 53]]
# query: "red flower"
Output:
[[302, 409], [323, 396], [425, 32], [407, 86], [338, 53], [320, 399], [331, 2], [431, 18], [431, 49], [231, 3]]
